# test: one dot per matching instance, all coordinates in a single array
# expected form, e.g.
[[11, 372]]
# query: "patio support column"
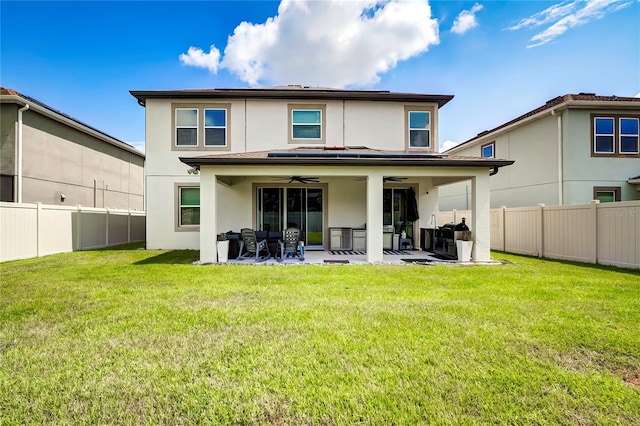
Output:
[[480, 205], [374, 217], [208, 216]]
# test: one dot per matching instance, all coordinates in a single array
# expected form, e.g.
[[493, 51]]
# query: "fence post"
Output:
[[129, 227], [106, 238], [503, 220], [38, 227], [540, 242], [79, 230], [593, 219]]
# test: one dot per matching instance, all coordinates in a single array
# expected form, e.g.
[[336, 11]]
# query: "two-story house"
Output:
[[269, 158], [50, 157], [571, 150]]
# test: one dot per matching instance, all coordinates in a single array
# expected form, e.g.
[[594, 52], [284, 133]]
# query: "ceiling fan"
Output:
[[386, 179], [299, 179]]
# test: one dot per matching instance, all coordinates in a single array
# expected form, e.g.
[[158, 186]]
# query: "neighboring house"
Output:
[[52, 158], [571, 150], [318, 159]]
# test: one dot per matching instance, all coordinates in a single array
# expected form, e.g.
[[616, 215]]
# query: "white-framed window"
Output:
[[307, 123], [607, 194], [189, 206], [629, 135], [201, 126], [186, 120], [419, 129], [489, 150], [615, 135], [215, 127]]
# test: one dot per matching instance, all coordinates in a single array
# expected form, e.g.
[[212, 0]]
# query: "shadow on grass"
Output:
[[596, 266], [173, 257], [127, 246]]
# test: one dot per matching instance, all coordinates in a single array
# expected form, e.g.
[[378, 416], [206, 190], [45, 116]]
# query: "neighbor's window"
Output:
[[606, 194], [603, 134], [488, 150], [628, 135], [307, 123], [186, 126], [616, 135], [215, 127], [189, 206]]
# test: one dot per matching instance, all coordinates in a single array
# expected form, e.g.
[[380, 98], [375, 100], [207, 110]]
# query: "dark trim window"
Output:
[[6, 188], [607, 194], [488, 150], [615, 135], [200, 127], [307, 123]]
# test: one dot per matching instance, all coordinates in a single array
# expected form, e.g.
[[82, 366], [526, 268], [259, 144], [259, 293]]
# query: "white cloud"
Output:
[[566, 15], [637, 95], [330, 43], [466, 20], [196, 57], [448, 145]]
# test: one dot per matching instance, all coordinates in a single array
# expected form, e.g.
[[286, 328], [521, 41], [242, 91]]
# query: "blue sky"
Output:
[[499, 59]]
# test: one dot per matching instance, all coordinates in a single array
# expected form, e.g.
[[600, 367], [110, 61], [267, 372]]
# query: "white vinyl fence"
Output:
[[607, 233], [34, 230]]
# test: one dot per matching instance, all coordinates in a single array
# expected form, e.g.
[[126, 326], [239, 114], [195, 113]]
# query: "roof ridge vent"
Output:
[[586, 94]]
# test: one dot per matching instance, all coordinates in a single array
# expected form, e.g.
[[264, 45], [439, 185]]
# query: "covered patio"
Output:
[[353, 181]]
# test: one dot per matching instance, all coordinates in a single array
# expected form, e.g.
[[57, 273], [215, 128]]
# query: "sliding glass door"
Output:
[[281, 208]]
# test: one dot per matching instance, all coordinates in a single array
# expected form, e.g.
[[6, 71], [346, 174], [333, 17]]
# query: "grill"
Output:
[[445, 240]]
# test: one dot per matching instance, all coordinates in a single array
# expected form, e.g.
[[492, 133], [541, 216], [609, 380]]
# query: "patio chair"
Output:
[[290, 245], [251, 248]]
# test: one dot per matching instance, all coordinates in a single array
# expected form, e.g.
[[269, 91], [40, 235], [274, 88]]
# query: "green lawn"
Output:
[[134, 336]]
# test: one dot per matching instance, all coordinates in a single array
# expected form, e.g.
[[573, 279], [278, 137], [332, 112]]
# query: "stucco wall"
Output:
[[58, 159]]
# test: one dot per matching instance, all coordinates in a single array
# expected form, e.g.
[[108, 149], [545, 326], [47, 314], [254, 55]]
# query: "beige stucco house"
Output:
[[571, 150], [323, 160], [49, 157]]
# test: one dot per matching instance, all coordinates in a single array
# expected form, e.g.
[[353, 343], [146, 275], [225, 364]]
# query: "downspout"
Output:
[[560, 160], [19, 161]]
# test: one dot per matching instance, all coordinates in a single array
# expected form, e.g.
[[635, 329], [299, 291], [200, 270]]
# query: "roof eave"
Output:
[[70, 122], [386, 162], [143, 95]]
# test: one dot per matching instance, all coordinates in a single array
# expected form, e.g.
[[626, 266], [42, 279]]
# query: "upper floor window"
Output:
[[186, 127], [604, 135], [419, 129], [629, 135], [489, 150], [616, 135], [201, 126], [215, 127], [307, 123]]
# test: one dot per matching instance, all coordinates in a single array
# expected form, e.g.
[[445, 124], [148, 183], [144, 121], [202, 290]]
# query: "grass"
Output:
[[134, 336]]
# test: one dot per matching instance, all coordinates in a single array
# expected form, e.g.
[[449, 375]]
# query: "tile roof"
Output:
[[550, 104]]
